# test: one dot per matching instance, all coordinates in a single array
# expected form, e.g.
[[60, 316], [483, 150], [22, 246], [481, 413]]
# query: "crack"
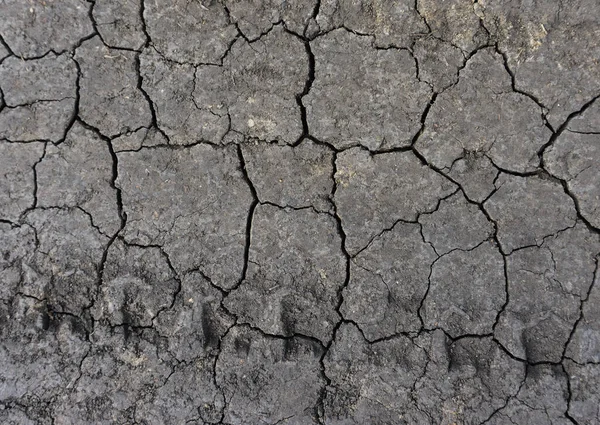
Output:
[[513, 83], [34, 102], [250, 217], [313, 17], [562, 128], [121, 213], [307, 86], [151, 105], [569, 396], [35, 176], [415, 221], [581, 305]]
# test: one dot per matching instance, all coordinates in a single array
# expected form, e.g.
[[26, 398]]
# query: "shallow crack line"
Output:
[[581, 305], [405, 221], [214, 374], [34, 102]]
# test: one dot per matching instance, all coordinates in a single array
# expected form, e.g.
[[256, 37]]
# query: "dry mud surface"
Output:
[[299, 212]]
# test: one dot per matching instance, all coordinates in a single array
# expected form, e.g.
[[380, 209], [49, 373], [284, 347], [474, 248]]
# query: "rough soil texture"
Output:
[[266, 212]]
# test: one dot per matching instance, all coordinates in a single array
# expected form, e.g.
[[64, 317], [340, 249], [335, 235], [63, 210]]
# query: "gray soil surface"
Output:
[[266, 212]]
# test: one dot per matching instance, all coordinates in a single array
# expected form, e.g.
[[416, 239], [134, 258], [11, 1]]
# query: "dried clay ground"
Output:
[[299, 212]]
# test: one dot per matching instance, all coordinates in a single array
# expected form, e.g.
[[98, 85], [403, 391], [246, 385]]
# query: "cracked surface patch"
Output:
[[364, 96], [324, 212]]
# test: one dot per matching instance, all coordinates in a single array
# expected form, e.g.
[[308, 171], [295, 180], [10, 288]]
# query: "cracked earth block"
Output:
[[119, 23], [475, 174], [456, 224], [60, 182], [40, 97], [482, 114], [428, 379], [362, 95], [33, 28], [51, 362], [370, 383], [388, 280], [546, 286], [296, 177], [439, 62], [466, 381], [121, 371], [253, 93], [192, 201], [575, 157], [137, 284], [188, 31], [264, 378], [301, 296], [17, 187], [110, 99], [375, 191], [454, 21], [551, 50], [542, 399], [197, 321], [467, 291], [63, 268], [584, 344], [528, 209], [170, 86], [17, 245], [257, 86], [585, 396]]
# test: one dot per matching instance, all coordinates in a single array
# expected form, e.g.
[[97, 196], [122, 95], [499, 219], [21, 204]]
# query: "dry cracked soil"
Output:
[[299, 212]]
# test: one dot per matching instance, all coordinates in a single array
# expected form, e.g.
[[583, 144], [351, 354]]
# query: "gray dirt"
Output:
[[336, 212]]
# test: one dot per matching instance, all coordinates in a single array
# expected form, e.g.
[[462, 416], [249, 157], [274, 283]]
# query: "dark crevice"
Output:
[[35, 177], [307, 86], [556, 134], [142, 10], [250, 217]]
